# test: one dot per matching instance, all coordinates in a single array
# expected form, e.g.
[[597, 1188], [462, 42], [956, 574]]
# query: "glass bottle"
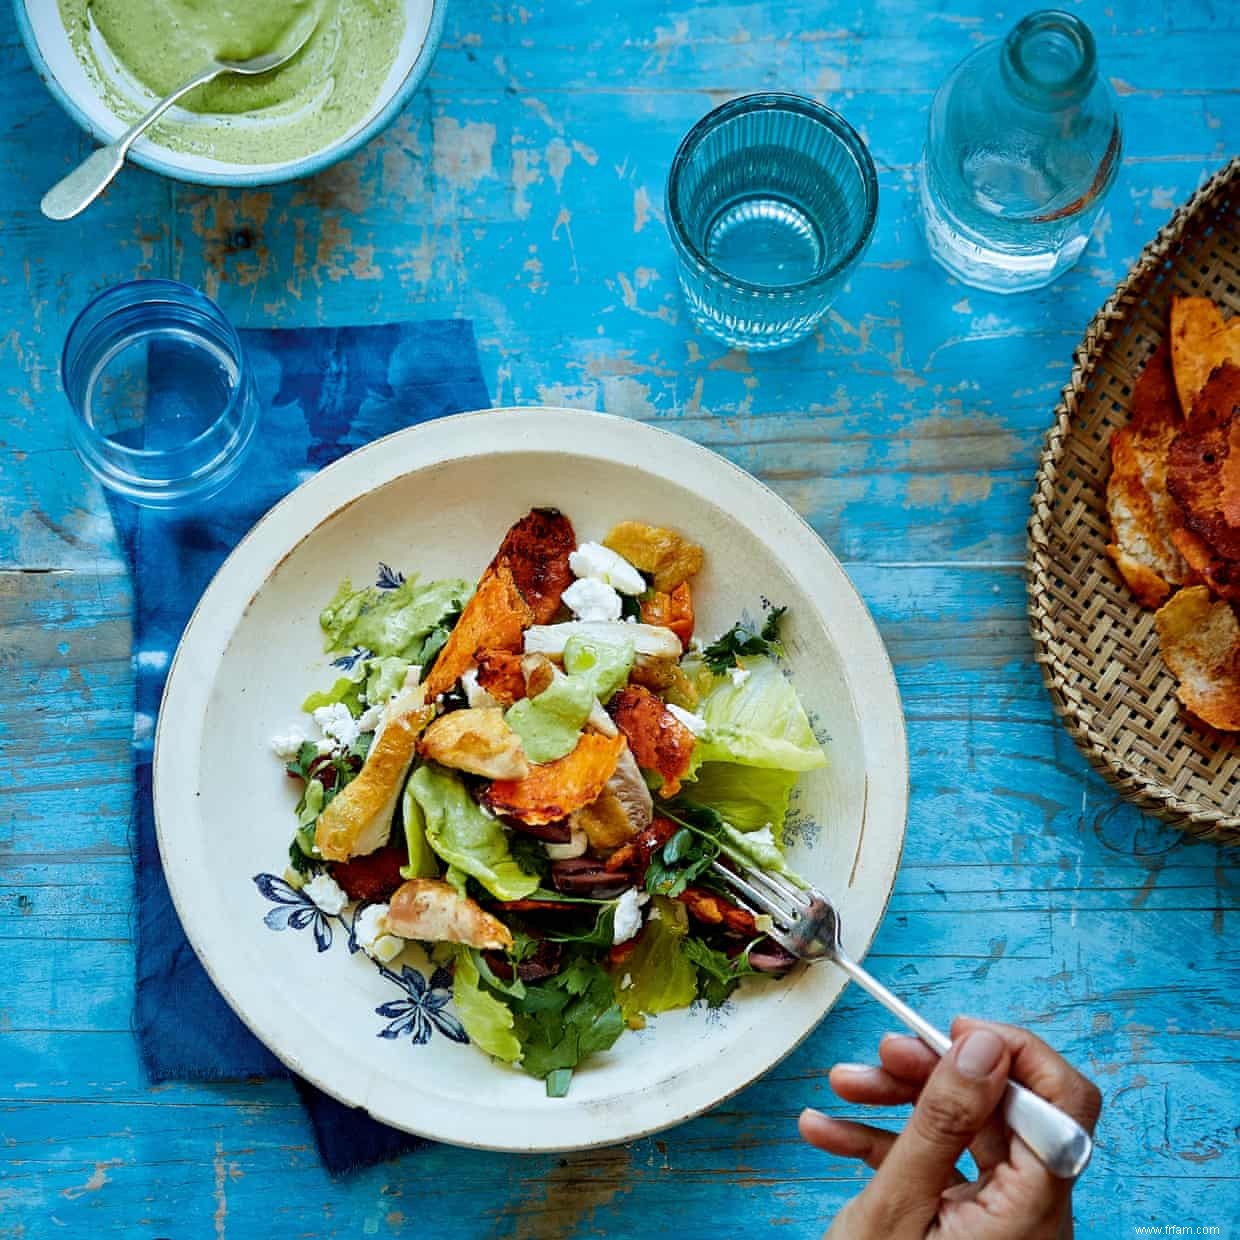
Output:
[[1022, 146]]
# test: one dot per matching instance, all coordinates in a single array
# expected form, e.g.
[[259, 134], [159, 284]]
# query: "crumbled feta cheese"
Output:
[[285, 745], [326, 892], [369, 719], [336, 722], [594, 560], [370, 931], [695, 723], [591, 599], [576, 847], [628, 917], [626, 981], [655, 915], [475, 694], [740, 675]]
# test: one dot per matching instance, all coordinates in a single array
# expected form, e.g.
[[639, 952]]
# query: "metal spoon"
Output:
[[94, 174]]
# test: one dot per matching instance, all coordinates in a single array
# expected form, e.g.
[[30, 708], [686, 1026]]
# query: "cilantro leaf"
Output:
[[721, 655], [564, 1020], [718, 973]]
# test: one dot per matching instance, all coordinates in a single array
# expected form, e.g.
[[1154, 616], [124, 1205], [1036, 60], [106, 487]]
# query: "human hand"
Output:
[[916, 1191]]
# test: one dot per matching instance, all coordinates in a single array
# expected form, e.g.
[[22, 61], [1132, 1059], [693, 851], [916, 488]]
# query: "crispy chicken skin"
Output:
[[478, 741]]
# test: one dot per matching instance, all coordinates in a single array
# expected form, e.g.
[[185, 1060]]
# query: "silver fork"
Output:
[[807, 925]]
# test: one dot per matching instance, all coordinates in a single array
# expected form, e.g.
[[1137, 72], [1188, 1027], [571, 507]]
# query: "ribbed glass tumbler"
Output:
[[771, 203]]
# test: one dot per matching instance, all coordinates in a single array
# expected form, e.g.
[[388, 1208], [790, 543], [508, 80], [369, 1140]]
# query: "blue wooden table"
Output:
[[523, 188]]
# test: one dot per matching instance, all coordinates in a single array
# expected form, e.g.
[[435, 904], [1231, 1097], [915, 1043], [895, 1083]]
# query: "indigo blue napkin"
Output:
[[322, 392]]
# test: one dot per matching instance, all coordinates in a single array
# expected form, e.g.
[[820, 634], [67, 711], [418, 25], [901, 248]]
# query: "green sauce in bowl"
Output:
[[138, 50]]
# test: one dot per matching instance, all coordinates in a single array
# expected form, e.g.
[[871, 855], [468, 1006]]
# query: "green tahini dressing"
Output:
[[136, 50]]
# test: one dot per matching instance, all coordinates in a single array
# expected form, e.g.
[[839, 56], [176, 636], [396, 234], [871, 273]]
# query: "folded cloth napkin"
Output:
[[322, 392]]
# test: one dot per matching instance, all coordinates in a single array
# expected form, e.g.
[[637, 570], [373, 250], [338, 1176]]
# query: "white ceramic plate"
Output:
[[57, 64], [436, 499]]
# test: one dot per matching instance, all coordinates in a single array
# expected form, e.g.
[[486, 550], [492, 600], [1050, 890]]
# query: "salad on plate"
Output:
[[531, 777]]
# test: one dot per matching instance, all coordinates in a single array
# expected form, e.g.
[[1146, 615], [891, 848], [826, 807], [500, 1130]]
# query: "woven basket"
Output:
[[1097, 646]]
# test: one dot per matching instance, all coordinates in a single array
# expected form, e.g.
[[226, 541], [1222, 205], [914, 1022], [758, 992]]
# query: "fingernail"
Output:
[[854, 1069], [979, 1053]]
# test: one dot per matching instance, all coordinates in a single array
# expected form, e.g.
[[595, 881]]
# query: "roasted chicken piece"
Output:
[[433, 911], [659, 741], [478, 741], [359, 818], [623, 808], [554, 790]]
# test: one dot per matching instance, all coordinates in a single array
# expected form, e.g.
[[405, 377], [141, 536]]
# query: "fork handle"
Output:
[[1053, 1135]]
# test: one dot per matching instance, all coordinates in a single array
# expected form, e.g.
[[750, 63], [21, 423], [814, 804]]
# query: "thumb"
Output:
[[960, 1095]]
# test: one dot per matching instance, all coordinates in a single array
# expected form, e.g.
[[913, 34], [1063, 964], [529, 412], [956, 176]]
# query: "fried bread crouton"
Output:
[[1201, 341], [1200, 641], [1143, 513], [1198, 473]]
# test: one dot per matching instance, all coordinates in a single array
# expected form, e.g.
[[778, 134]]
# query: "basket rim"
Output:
[[1132, 783]]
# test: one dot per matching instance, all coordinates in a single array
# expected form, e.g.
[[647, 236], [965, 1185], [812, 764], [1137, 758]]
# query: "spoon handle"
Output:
[[75, 192], [1063, 1146]]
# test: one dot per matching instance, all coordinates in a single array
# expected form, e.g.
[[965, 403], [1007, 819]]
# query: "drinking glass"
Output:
[[771, 203], [162, 396]]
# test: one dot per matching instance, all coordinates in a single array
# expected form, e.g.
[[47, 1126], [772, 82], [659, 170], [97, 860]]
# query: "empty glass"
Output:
[[771, 203], [163, 400]]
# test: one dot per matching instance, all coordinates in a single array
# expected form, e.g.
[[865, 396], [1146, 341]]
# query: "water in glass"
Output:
[[771, 203]]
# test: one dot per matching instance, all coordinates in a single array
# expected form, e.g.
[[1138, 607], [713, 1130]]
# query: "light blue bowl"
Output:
[[57, 65]]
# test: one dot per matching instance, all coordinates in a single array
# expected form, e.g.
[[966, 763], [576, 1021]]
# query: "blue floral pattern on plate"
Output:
[[424, 1008]]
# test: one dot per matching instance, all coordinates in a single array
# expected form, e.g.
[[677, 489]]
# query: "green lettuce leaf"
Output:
[[422, 863], [759, 723], [488, 1020], [347, 691], [391, 622], [465, 837], [748, 797], [659, 974]]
